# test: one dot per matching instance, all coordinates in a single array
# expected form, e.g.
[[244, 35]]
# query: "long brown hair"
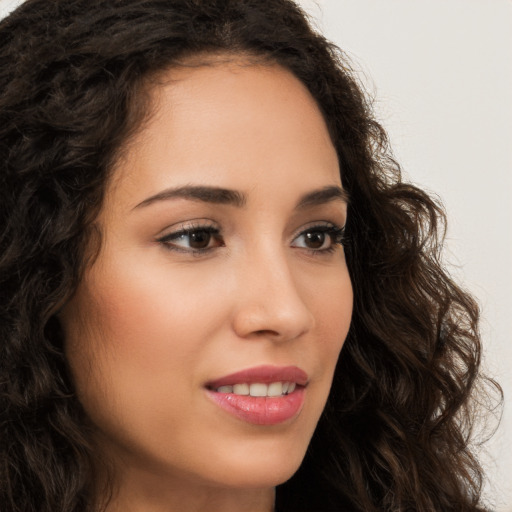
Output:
[[394, 435]]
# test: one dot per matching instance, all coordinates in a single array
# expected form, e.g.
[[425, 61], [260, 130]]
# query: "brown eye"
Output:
[[199, 239], [320, 239], [314, 239]]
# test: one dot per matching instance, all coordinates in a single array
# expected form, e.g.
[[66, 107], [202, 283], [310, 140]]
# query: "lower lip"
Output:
[[261, 410]]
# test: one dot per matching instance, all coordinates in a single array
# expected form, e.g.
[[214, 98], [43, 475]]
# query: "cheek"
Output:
[[133, 347], [340, 305], [334, 314], [331, 301], [132, 335], [151, 316]]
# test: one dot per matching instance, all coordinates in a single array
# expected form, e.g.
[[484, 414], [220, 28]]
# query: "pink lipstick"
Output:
[[263, 395]]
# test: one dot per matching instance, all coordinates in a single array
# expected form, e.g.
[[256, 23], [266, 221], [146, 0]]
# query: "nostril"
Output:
[[266, 332]]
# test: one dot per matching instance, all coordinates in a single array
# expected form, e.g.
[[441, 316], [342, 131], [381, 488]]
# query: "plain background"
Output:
[[441, 75]]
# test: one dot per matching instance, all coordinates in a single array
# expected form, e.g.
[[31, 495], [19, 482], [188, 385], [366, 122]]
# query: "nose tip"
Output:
[[272, 306]]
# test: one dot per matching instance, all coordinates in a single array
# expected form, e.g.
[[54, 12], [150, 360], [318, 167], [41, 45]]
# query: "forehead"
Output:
[[230, 123]]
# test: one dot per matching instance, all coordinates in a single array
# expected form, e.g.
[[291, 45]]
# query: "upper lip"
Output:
[[264, 374]]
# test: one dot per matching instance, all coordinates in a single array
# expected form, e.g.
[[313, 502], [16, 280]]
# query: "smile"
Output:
[[259, 389], [264, 395]]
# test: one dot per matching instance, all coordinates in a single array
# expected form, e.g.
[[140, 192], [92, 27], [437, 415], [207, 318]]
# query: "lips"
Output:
[[263, 374], [264, 395]]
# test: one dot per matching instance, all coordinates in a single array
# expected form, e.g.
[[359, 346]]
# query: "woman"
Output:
[[198, 214]]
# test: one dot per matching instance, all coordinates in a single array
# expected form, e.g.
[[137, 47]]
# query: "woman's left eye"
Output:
[[320, 238]]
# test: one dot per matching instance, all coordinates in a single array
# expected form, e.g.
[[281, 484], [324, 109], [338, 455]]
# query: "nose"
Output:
[[269, 302]]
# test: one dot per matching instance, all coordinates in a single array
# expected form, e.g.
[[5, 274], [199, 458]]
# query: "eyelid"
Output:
[[335, 232], [188, 225], [321, 224], [186, 228]]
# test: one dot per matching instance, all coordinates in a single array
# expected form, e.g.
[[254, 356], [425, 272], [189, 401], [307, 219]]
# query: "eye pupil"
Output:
[[315, 239], [199, 239]]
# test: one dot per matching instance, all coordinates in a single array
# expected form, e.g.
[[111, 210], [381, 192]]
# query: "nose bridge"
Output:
[[271, 302]]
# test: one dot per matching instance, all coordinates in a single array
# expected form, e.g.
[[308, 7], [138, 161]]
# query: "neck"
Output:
[[139, 493]]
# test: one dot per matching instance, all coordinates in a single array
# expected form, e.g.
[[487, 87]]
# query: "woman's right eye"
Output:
[[193, 240]]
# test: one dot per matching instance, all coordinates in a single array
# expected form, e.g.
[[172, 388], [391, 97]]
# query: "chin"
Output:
[[262, 469], [260, 478]]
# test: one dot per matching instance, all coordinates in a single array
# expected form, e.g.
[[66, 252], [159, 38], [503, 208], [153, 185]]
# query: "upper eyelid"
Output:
[[316, 224], [176, 234], [329, 227], [187, 226]]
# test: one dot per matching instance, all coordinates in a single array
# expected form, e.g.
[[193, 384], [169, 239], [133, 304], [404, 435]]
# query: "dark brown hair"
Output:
[[395, 432]]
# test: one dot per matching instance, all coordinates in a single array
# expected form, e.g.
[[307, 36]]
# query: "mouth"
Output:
[[264, 395], [259, 389]]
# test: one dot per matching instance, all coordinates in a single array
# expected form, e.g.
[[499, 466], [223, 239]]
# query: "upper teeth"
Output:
[[259, 389]]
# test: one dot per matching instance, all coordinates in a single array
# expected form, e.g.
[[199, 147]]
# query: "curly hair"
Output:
[[395, 434]]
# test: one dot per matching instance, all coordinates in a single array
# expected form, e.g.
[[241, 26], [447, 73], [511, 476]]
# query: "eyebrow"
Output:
[[199, 193], [322, 196], [217, 195]]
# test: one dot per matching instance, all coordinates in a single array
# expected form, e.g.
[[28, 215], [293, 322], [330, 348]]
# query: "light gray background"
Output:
[[441, 73]]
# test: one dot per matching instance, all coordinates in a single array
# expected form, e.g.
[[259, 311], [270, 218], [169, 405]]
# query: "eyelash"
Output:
[[336, 234], [167, 240]]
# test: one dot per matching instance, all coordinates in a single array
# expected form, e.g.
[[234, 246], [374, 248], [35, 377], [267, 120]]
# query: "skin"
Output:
[[153, 322]]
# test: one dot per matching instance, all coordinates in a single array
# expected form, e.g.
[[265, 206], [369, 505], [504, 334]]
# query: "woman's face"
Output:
[[220, 274]]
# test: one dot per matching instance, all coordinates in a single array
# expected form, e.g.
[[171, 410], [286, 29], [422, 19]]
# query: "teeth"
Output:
[[258, 389], [241, 389], [275, 389]]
